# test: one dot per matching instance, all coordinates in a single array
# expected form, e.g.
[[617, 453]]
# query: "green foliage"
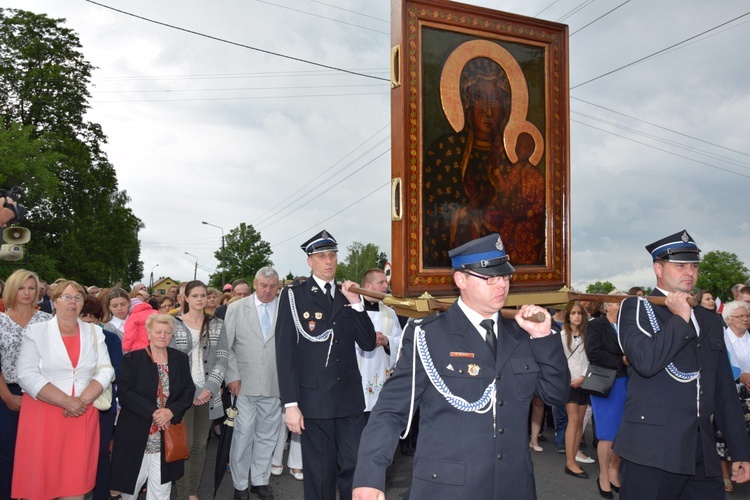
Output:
[[81, 225], [600, 287], [290, 276], [719, 271], [245, 253], [359, 259]]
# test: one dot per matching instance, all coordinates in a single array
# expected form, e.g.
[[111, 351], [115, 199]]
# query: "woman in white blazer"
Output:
[[63, 367]]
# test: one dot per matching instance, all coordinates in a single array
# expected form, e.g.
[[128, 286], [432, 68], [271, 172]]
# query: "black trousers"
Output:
[[8, 434], [640, 482], [330, 445]]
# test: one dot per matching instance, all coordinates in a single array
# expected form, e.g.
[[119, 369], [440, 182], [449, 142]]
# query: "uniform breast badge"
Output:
[[318, 316], [311, 326], [306, 315], [472, 370]]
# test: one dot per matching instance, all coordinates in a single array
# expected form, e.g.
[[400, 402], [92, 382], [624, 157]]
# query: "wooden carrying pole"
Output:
[[420, 304]]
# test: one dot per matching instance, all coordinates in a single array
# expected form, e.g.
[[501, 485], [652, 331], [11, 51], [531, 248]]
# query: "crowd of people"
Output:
[[93, 377]]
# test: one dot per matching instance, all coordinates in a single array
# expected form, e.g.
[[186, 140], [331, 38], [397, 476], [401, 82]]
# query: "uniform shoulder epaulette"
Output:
[[298, 282], [426, 320]]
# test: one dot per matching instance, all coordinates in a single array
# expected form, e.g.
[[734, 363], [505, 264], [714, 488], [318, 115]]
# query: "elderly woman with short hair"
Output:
[[155, 391], [63, 367]]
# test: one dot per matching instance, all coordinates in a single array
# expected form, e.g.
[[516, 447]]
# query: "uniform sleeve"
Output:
[[364, 332], [650, 353], [286, 351], [553, 383], [389, 416]]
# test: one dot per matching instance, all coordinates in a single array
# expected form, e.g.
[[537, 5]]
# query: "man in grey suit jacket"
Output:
[[252, 379]]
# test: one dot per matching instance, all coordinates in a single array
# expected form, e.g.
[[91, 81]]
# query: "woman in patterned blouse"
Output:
[[20, 297]]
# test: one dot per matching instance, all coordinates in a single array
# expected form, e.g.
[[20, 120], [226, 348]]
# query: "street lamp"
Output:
[[223, 255], [195, 273], [151, 286]]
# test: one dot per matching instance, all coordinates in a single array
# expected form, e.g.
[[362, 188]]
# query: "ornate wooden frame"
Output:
[[529, 50]]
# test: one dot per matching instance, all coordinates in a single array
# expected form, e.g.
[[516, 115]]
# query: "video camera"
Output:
[[14, 193]]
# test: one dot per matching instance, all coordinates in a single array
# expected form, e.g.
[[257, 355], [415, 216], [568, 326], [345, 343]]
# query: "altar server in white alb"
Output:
[[375, 365]]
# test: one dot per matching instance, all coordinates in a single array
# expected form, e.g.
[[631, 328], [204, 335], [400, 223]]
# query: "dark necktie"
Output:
[[488, 325], [329, 295]]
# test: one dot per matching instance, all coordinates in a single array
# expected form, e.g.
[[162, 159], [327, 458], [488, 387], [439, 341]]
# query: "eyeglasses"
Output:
[[741, 316], [68, 298], [490, 280]]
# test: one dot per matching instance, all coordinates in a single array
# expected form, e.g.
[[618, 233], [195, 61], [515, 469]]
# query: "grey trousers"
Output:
[[256, 430]]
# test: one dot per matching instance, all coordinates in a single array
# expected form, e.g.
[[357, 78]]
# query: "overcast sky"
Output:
[[202, 130]]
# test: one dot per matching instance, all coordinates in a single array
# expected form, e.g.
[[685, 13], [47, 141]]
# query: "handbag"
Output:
[[599, 381], [175, 436], [104, 401]]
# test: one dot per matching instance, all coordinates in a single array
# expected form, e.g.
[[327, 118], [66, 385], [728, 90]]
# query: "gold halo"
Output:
[[450, 94]]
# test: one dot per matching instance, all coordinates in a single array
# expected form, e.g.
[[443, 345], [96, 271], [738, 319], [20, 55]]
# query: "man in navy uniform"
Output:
[[319, 380], [680, 384], [474, 376]]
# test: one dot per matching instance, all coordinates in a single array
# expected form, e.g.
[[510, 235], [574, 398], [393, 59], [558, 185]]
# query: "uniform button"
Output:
[[434, 476], [338, 378], [643, 418], [334, 322], [497, 376], [500, 430], [500, 402], [699, 345], [526, 367], [338, 360], [701, 392], [499, 456], [336, 341], [205, 361], [687, 338], [460, 371], [700, 369]]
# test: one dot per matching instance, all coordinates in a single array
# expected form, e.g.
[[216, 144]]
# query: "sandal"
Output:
[[276, 470]]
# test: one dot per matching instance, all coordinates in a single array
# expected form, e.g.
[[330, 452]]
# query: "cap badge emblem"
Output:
[[499, 244], [685, 237], [324, 234]]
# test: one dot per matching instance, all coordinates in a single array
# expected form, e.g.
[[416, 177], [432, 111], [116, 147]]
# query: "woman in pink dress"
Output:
[[63, 367]]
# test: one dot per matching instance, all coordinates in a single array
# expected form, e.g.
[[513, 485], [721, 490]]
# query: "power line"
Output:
[[322, 17], [661, 127], [307, 184], [660, 51], [576, 9], [185, 99], [352, 11], [692, 149], [238, 89], [317, 224], [237, 44], [662, 150], [599, 18]]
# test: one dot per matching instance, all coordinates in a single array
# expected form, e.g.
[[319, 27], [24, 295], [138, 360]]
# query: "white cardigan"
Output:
[[43, 359]]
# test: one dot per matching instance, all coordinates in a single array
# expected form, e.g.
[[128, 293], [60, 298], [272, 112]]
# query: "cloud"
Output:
[[202, 130]]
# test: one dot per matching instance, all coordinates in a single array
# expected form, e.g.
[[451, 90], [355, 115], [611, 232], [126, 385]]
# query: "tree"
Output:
[[719, 271], [359, 259], [245, 253], [81, 225], [600, 287]]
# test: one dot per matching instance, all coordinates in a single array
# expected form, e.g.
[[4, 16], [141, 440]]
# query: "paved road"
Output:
[[551, 482]]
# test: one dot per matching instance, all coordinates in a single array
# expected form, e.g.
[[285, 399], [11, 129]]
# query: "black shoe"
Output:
[[604, 494], [241, 494], [616, 489], [263, 492], [580, 475]]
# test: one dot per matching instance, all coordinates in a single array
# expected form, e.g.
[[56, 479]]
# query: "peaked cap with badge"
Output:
[[678, 247], [485, 255], [321, 242]]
